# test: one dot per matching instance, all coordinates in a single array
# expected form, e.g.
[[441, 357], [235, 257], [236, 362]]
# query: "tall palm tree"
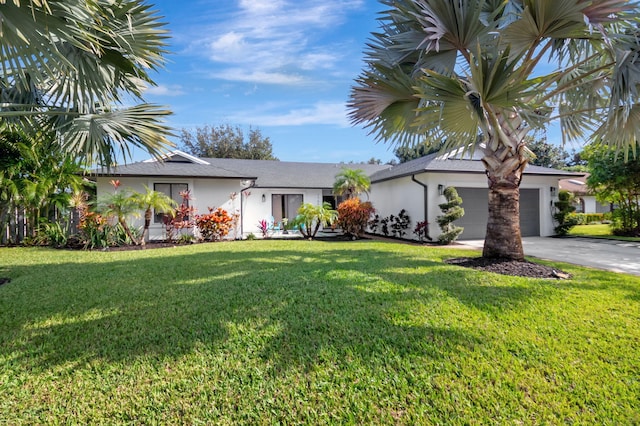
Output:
[[68, 66], [152, 200], [481, 73], [351, 183]]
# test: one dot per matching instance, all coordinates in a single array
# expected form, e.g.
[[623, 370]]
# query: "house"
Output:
[[585, 199], [417, 186], [262, 189], [253, 189]]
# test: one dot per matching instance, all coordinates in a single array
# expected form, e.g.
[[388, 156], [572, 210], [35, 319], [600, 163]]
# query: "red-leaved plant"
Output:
[[215, 225], [354, 215]]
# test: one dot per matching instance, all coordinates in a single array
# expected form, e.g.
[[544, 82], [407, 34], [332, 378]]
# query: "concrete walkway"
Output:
[[610, 255]]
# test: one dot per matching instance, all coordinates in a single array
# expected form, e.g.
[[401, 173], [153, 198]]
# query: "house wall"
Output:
[[389, 197], [206, 193], [255, 209]]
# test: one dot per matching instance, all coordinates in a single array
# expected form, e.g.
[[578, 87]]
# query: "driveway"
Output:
[[610, 255]]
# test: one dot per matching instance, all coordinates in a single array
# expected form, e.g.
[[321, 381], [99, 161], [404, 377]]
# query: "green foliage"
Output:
[[589, 218], [69, 66], [394, 225], [408, 153], [310, 217], [354, 216], [616, 181], [299, 332], [225, 141], [150, 201], [351, 182], [451, 211], [546, 154], [563, 216], [53, 234]]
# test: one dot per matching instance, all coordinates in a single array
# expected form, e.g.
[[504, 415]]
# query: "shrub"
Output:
[[422, 231], [263, 226], [310, 217], [400, 223], [563, 215], [215, 225], [451, 211], [588, 218], [354, 216], [53, 234]]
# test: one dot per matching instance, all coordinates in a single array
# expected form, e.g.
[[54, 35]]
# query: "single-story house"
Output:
[[273, 190], [416, 186], [585, 199]]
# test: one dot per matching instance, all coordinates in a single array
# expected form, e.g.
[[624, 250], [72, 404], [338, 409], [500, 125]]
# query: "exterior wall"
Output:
[[389, 197], [205, 192], [254, 209]]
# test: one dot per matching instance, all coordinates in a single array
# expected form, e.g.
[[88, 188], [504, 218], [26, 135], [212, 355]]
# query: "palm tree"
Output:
[[351, 183], [311, 217], [152, 200], [481, 74], [120, 204], [68, 67]]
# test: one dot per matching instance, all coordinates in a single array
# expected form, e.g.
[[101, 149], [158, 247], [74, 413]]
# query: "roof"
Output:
[[576, 185], [454, 162], [266, 173]]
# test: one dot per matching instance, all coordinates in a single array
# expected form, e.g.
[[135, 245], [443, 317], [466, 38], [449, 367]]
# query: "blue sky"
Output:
[[283, 66]]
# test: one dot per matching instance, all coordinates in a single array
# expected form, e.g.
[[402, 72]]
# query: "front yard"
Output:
[[300, 332]]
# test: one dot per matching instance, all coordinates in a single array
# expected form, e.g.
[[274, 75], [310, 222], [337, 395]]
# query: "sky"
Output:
[[284, 67]]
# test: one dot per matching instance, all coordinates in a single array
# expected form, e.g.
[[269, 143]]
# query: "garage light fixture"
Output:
[[440, 189], [264, 198], [552, 189]]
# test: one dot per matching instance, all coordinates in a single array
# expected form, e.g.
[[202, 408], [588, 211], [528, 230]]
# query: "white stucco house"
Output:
[[261, 189]]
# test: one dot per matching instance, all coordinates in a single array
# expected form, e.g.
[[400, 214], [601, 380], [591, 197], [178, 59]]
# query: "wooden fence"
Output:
[[20, 225]]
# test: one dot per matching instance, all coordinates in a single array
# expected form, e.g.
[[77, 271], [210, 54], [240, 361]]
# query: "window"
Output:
[[173, 190], [285, 205]]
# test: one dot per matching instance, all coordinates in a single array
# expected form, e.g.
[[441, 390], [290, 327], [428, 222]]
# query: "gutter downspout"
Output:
[[253, 183], [426, 199]]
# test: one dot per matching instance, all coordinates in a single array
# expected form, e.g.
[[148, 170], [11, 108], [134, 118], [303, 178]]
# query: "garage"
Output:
[[475, 202]]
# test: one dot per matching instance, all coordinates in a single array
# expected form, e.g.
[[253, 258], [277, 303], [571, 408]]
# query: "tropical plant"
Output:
[[183, 217], [149, 201], [451, 211], [311, 217], [68, 67], [263, 226], [354, 216], [120, 204], [563, 217], [422, 231], [481, 74], [215, 225], [351, 182]]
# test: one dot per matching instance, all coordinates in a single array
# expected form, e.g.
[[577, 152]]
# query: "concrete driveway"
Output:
[[610, 255]]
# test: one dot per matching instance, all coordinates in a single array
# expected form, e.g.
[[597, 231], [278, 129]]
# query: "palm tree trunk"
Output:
[[128, 231], [145, 230], [503, 238]]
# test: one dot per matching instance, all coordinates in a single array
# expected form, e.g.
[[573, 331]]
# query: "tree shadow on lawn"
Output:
[[294, 305]]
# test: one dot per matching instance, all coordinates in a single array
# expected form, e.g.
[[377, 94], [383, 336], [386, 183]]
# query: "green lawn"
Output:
[[598, 231], [299, 332]]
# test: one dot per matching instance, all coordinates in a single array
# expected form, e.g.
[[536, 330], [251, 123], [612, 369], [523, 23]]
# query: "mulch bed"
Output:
[[509, 267]]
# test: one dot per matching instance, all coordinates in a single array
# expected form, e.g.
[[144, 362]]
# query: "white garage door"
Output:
[[475, 202]]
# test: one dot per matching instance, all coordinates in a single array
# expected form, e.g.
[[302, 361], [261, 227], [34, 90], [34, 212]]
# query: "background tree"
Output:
[[458, 69], [351, 182], [69, 66], [408, 153], [616, 181], [546, 154], [225, 141]]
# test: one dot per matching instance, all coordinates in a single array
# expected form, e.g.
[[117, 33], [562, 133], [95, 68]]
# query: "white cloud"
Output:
[[162, 90], [278, 38], [326, 113]]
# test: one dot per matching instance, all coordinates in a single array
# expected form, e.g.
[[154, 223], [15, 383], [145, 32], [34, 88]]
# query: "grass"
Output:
[[598, 231], [299, 332]]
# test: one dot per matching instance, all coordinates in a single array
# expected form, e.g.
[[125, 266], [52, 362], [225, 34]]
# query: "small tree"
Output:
[[120, 204], [354, 216], [562, 216], [311, 217], [451, 211], [215, 225], [351, 183], [152, 200]]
